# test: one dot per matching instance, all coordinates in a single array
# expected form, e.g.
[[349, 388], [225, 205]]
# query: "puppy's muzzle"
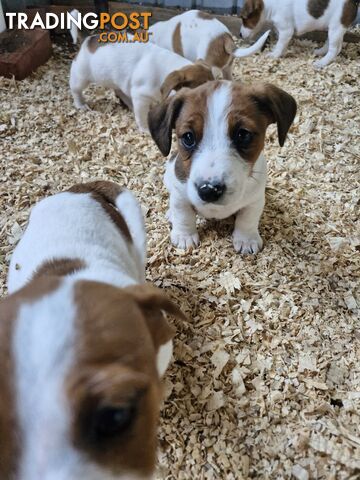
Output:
[[210, 192]]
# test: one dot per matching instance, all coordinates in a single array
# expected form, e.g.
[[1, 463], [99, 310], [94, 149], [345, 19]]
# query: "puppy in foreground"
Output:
[[83, 342], [219, 169], [135, 71], [198, 35], [291, 17]]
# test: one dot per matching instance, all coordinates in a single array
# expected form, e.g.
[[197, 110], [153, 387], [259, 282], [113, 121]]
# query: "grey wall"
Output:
[[223, 6]]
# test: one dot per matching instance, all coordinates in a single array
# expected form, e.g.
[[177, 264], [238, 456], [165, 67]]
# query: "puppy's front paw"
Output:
[[247, 244], [318, 52], [319, 64], [184, 240], [273, 55]]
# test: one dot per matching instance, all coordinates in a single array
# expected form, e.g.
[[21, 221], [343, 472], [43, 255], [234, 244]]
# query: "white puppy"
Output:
[[136, 71], [291, 17], [83, 343], [219, 169], [199, 35]]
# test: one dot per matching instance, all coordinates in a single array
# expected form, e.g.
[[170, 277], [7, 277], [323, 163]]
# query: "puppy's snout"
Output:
[[210, 192]]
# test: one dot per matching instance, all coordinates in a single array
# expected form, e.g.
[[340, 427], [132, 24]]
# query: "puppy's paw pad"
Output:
[[185, 241], [247, 245]]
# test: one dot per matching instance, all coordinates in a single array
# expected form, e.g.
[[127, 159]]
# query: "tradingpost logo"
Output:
[[118, 22]]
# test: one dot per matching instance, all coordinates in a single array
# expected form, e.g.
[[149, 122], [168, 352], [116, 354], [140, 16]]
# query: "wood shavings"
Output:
[[265, 381]]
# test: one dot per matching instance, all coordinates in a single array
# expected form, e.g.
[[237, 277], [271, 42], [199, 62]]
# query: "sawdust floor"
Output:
[[265, 381]]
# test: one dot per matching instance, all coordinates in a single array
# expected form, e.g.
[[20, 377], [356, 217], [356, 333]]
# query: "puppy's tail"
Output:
[[245, 52], [130, 209], [77, 35]]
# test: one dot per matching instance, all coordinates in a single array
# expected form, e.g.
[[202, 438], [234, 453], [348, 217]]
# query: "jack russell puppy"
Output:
[[219, 169], [83, 342], [136, 72], [291, 17], [198, 35]]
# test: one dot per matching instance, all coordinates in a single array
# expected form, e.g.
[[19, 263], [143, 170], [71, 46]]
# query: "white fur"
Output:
[[216, 159], [291, 17], [137, 69], [163, 357], [75, 226], [43, 352], [196, 35]]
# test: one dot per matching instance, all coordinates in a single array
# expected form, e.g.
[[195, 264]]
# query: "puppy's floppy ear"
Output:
[[173, 81], [278, 106], [161, 121], [152, 301], [250, 7]]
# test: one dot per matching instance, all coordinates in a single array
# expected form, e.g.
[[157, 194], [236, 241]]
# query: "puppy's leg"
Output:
[[142, 104], [227, 72], [323, 50], [285, 35], [183, 218], [335, 40], [246, 237], [77, 85]]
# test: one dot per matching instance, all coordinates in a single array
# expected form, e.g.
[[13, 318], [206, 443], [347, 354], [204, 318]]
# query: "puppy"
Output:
[[135, 71], [300, 16], [219, 169], [83, 343], [198, 35]]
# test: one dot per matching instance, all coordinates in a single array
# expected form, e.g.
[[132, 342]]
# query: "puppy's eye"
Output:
[[108, 422], [243, 138], [188, 140]]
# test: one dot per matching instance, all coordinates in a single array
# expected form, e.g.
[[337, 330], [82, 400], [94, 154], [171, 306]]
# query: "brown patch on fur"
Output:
[[106, 193], [60, 267], [176, 40], [121, 331], [251, 13], [316, 8], [349, 12], [220, 50], [93, 43], [204, 15], [190, 76], [10, 440]]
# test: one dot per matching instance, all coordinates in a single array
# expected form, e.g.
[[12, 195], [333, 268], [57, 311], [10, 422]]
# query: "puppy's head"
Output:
[[80, 380], [220, 128], [190, 76], [252, 16]]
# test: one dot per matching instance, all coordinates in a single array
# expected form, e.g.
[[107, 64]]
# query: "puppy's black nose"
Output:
[[210, 192]]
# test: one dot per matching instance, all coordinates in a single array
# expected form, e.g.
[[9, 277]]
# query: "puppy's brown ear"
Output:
[[173, 81], [161, 121], [152, 302], [251, 7], [278, 106]]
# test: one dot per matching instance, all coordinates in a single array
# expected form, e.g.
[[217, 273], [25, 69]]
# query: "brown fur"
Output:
[[204, 15], [220, 50], [251, 12], [10, 439], [120, 331], [94, 43], [176, 40], [316, 8], [252, 108], [190, 76], [106, 193], [60, 267], [349, 12]]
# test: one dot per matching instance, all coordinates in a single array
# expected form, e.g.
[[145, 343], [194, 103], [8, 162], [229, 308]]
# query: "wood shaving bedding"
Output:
[[265, 381]]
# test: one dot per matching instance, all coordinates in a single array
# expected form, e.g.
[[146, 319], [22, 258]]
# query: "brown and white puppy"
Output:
[[83, 343], [199, 35], [291, 17], [219, 169], [135, 71]]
